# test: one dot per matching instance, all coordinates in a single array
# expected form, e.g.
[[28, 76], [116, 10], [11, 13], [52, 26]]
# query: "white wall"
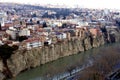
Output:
[[11, 33], [24, 32], [33, 44], [62, 36]]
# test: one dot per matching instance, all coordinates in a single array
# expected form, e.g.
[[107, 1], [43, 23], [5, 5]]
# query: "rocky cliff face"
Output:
[[2, 76], [23, 59]]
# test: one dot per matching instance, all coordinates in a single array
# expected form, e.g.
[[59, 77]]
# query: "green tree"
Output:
[[5, 53]]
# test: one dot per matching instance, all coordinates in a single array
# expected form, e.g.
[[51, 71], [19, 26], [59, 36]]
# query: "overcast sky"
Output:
[[82, 3]]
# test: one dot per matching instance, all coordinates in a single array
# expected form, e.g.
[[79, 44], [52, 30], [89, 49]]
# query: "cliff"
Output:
[[26, 59]]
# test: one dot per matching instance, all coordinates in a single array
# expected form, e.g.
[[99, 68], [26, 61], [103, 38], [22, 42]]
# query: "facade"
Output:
[[48, 29], [49, 41], [33, 43], [24, 32], [1, 43], [12, 34], [61, 36], [3, 17]]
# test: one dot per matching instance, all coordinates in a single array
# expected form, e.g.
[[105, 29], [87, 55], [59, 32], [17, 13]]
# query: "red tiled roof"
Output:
[[34, 39], [8, 24]]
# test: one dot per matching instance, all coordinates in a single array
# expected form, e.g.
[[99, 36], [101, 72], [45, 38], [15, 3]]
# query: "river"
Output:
[[58, 69]]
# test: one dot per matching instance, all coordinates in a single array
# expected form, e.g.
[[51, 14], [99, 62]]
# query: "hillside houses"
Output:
[[28, 29]]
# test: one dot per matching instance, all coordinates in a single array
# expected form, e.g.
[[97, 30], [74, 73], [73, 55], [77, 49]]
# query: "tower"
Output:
[[3, 17]]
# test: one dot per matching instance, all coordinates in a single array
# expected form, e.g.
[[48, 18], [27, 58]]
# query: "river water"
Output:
[[58, 69]]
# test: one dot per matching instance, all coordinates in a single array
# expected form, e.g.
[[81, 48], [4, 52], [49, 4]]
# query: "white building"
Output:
[[82, 23], [12, 28], [61, 36], [1, 43], [49, 41], [48, 29], [3, 17], [12, 33], [31, 27], [33, 43], [24, 32]]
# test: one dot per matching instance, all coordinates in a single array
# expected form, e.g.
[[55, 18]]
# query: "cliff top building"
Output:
[[3, 17]]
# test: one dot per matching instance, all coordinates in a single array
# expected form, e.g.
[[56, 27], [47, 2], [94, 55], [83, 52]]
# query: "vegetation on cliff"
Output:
[[5, 53]]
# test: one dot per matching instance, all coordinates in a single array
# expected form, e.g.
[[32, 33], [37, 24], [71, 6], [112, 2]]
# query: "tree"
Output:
[[22, 38], [21, 22], [5, 53], [38, 22], [64, 25], [44, 24]]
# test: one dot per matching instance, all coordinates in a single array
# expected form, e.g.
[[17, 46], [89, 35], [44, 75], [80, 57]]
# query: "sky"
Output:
[[111, 4]]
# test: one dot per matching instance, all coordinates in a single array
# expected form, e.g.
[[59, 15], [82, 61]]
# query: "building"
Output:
[[32, 43], [3, 17], [12, 33], [24, 32], [48, 42], [61, 36], [1, 43]]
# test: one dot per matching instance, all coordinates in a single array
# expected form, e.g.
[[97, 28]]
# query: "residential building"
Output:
[[24, 32]]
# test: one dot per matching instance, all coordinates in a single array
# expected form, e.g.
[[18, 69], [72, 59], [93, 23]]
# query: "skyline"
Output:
[[111, 4]]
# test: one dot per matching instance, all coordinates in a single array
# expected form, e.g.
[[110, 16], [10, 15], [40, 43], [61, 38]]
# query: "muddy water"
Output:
[[58, 69]]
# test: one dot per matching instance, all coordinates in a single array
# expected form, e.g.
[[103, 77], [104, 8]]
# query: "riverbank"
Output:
[[24, 59], [59, 68], [103, 64]]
